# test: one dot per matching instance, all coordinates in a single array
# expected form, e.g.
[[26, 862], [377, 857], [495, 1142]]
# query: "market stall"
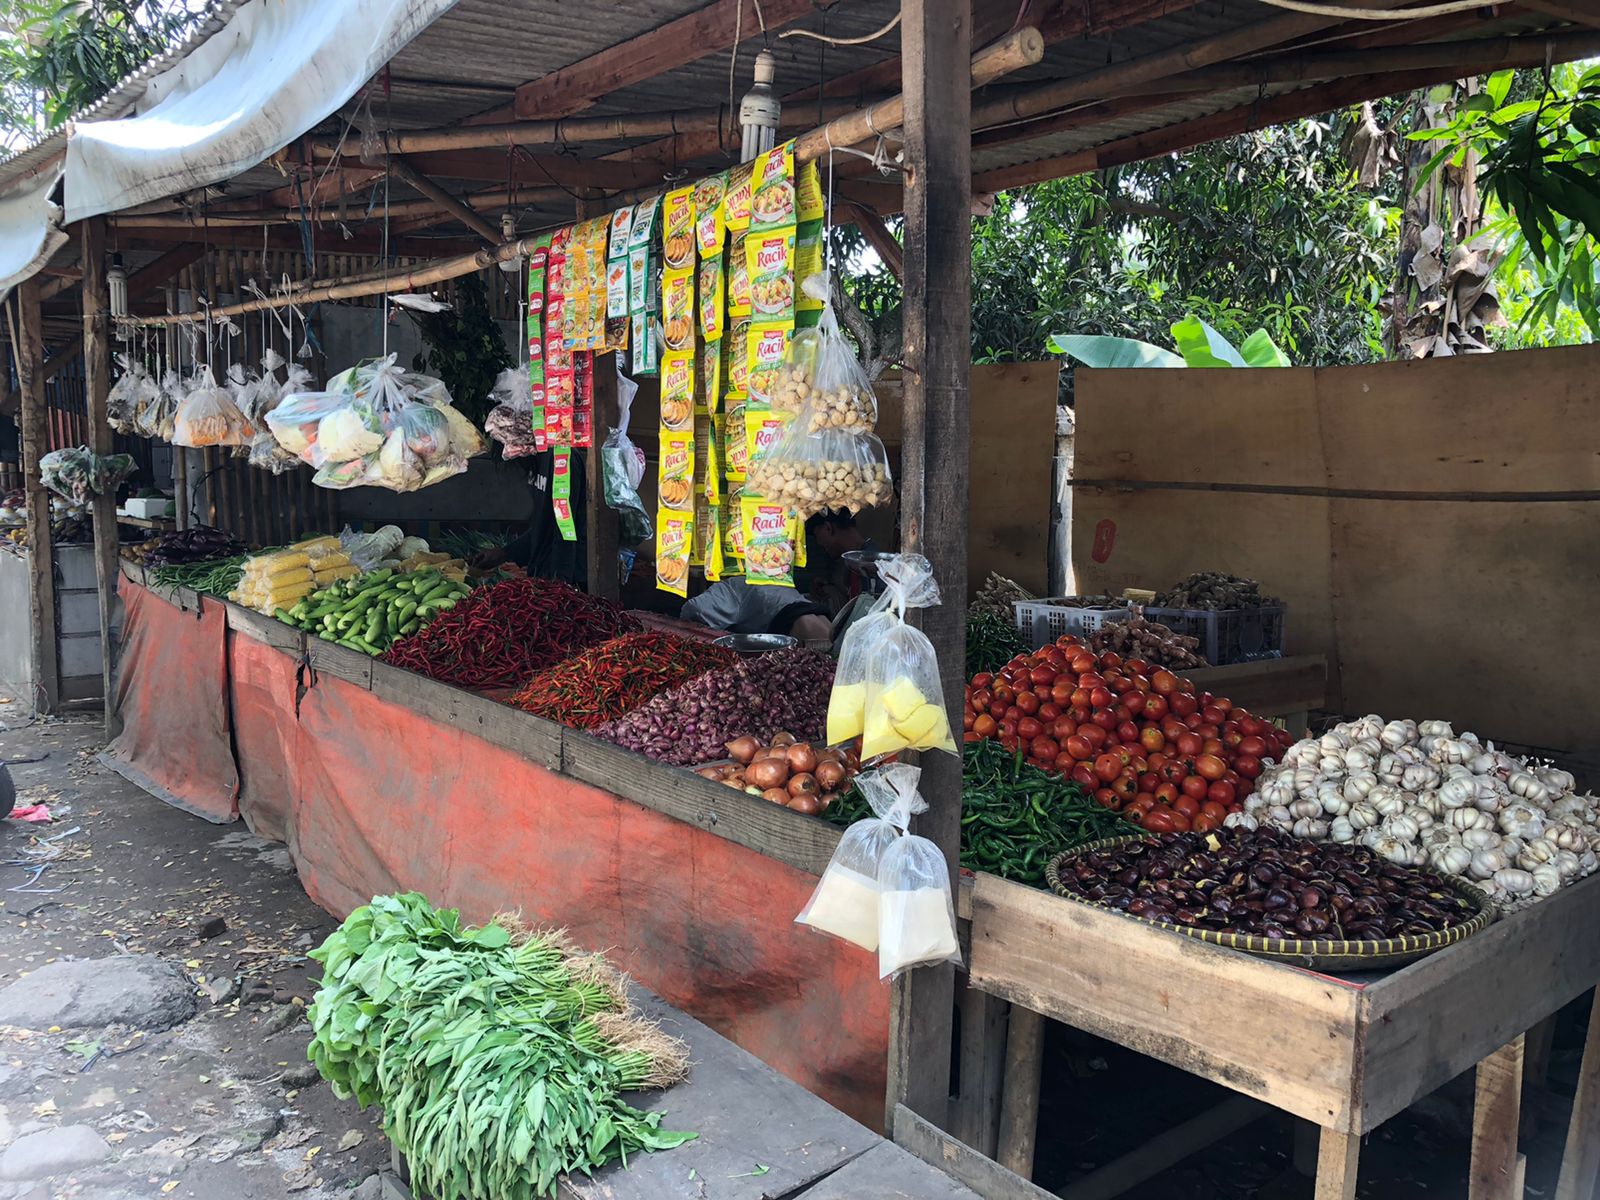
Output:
[[498, 743]]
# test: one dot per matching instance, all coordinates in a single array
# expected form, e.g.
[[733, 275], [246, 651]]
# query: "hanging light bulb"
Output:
[[117, 288], [508, 233], [759, 110]]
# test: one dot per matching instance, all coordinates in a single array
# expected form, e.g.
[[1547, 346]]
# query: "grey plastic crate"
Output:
[[1227, 635], [1043, 621]]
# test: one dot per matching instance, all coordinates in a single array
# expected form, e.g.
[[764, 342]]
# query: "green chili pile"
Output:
[[499, 1055], [1014, 817], [992, 642], [616, 677]]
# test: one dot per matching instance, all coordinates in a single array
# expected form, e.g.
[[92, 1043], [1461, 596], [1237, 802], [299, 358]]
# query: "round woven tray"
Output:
[[1322, 954]]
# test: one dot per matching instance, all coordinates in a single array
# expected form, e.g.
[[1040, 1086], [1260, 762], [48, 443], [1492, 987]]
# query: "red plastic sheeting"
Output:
[[172, 696], [384, 799]]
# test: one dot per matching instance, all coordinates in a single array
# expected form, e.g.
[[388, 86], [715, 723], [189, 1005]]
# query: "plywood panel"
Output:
[[1440, 614], [1514, 422], [1192, 426]]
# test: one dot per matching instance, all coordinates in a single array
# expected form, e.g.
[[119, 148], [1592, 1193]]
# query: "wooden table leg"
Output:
[[1019, 1102], [1580, 1164], [1496, 1114], [1338, 1158]]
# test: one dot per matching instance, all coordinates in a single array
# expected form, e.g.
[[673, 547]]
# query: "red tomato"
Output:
[[1049, 711], [1080, 697], [1108, 766], [1221, 791], [1149, 781], [1156, 758], [1064, 763], [1194, 787], [1155, 707], [1111, 659], [1081, 662], [1167, 793], [1223, 703], [1181, 822], [1045, 748], [1204, 823], [1061, 693], [1173, 771], [1124, 787], [1043, 674], [1009, 741], [1096, 734], [1005, 693], [1208, 766], [984, 725], [982, 679], [1079, 748], [1247, 767], [1189, 743], [1083, 775], [1205, 730], [1213, 714], [1254, 746], [1106, 797], [1079, 713], [1134, 702], [1172, 729], [997, 710], [1138, 666], [1100, 698], [1187, 805], [1028, 702], [1251, 726], [980, 700], [968, 719], [1104, 718], [1028, 729], [1151, 739], [1182, 703], [1159, 820], [1062, 728], [1128, 733], [1231, 738], [1163, 682], [1211, 746], [1008, 729]]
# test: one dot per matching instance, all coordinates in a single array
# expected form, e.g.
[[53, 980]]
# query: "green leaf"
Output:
[[1098, 351], [1498, 86], [1259, 350], [1203, 346]]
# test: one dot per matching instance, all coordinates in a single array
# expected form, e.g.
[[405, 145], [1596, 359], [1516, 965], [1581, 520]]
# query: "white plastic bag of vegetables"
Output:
[[208, 416], [886, 690], [129, 395], [846, 901], [916, 911]]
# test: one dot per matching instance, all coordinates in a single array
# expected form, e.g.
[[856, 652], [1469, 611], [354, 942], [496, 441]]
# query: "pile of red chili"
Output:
[[615, 677], [501, 636]]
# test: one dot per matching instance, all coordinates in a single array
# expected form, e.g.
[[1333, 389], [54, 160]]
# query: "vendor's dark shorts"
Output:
[[784, 621]]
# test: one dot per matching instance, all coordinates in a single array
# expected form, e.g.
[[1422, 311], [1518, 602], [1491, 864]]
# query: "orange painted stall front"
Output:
[[372, 797]]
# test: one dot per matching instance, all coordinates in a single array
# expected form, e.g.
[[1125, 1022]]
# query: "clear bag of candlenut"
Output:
[[916, 911], [829, 457], [845, 903], [886, 688]]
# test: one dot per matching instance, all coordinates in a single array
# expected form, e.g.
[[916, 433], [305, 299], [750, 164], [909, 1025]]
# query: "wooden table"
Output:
[[1345, 1053]]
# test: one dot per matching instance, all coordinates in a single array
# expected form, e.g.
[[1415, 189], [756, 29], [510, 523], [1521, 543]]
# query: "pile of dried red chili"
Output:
[[615, 677], [500, 636]]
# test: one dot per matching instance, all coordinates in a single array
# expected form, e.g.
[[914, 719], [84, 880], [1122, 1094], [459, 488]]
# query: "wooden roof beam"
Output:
[[709, 30], [1565, 10]]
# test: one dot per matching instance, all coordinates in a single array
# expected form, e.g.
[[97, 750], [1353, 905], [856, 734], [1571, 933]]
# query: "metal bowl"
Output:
[[750, 644], [865, 561]]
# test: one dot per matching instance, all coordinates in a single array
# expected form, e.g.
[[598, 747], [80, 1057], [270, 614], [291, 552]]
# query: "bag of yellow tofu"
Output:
[[886, 688]]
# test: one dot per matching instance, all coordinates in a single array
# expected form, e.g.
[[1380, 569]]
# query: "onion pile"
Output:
[[1419, 794], [763, 696], [793, 773]]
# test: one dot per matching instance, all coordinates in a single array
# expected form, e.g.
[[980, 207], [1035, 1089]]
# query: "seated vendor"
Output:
[[739, 607], [540, 549]]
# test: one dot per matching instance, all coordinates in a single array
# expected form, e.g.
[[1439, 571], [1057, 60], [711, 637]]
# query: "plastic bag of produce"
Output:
[[129, 395], [916, 912], [822, 378], [79, 474], [845, 903], [816, 472], [209, 417], [297, 417], [367, 550], [510, 422], [158, 409], [886, 690], [623, 466]]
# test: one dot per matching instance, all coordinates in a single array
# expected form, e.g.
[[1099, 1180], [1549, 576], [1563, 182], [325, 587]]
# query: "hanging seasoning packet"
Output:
[[674, 536], [617, 279], [538, 260], [810, 209], [768, 543], [558, 370], [561, 492], [642, 293], [583, 399]]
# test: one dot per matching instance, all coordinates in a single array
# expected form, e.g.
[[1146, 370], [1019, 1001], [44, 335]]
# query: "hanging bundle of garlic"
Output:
[[1420, 794]]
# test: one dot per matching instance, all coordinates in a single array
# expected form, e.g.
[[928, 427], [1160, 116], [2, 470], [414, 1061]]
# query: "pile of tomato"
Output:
[[1142, 739]]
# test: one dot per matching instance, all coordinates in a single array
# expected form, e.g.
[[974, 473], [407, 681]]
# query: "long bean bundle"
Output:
[[216, 577], [499, 1055]]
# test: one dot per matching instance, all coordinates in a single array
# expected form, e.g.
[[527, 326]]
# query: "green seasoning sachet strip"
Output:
[[641, 289], [561, 493], [537, 262]]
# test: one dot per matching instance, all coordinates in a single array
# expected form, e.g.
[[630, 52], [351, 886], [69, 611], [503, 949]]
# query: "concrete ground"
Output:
[[222, 1106]]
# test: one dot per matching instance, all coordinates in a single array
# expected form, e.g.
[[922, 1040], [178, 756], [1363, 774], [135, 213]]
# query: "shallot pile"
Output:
[[796, 774], [774, 693], [1419, 794]]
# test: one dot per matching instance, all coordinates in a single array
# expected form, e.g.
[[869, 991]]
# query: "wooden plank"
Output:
[[886, 1172], [1338, 1159], [1580, 1162], [1436, 1018], [1124, 980], [1271, 687], [330, 658], [804, 842], [983, 1175], [603, 525], [708, 30], [760, 1135], [975, 1114], [268, 630], [1167, 1149], [532, 737], [96, 387], [1496, 1115], [936, 73], [29, 340], [1019, 1104]]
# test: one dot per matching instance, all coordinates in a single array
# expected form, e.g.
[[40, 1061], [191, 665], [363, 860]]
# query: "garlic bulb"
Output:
[[1435, 729], [1485, 863], [1340, 830], [1430, 803], [1556, 781], [1457, 793], [1398, 733], [1240, 820], [1314, 829], [1514, 882], [1423, 816], [1392, 848], [1357, 786], [1358, 761], [1420, 776], [1521, 820], [1450, 860], [1568, 863], [1363, 816], [1279, 814], [1470, 818], [1546, 880], [1389, 801], [1537, 853], [1529, 786], [1302, 809], [1480, 839], [1402, 826]]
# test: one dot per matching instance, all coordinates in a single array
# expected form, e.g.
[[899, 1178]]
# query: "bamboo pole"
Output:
[[443, 199], [566, 131]]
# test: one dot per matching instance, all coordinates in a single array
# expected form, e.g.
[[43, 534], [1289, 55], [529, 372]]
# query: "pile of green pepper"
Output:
[[370, 612]]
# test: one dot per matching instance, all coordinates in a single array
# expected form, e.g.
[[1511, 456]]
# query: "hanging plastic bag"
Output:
[[510, 422], [820, 472], [208, 416], [297, 416], [622, 465], [822, 374], [845, 903], [886, 689], [158, 409], [79, 474], [129, 395], [916, 911]]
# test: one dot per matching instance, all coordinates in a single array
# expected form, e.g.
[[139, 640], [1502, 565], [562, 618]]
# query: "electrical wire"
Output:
[[855, 41], [1345, 13]]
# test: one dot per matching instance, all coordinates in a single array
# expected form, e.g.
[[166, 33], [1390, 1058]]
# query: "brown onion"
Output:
[[809, 805], [802, 757], [713, 773], [830, 754], [743, 749], [776, 795], [830, 775], [804, 784], [783, 738], [767, 773]]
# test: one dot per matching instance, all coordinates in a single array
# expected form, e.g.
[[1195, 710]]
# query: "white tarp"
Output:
[[30, 229], [275, 71]]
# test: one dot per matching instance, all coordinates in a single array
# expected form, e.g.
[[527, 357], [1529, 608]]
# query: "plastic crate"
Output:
[[1043, 621], [1227, 635]]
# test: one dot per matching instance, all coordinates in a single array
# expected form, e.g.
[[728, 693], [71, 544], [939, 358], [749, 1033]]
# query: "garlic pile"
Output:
[[1421, 795]]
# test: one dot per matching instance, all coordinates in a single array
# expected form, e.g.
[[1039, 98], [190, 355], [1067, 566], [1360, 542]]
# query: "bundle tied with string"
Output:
[[886, 690]]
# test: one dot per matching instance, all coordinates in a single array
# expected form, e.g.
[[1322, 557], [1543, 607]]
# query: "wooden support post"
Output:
[[1019, 1103], [41, 552], [180, 456], [975, 1113], [1496, 1117], [1338, 1159], [602, 525], [936, 42], [96, 385], [1580, 1163]]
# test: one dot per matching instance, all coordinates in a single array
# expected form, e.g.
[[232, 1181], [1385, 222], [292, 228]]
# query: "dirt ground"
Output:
[[225, 1107]]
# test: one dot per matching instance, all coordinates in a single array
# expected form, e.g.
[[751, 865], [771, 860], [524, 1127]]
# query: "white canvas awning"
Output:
[[275, 71], [30, 229]]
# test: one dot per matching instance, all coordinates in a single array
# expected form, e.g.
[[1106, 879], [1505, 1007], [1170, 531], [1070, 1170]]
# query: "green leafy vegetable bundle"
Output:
[[499, 1054]]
